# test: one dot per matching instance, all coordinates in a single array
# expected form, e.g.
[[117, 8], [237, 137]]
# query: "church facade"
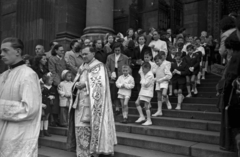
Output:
[[42, 21]]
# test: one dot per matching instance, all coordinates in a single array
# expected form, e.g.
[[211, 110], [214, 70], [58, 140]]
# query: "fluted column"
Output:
[[99, 18]]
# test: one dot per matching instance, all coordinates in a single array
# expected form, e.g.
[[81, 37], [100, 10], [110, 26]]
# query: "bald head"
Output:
[[39, 50]]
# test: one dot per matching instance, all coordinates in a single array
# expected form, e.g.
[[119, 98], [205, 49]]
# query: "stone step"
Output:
[[209, 137], [127, 151], [212, 116], [119, 151], [186, 100], [185, 106], [53, 152], [178, 122], [158, 131], [151, 143], [200, 94]]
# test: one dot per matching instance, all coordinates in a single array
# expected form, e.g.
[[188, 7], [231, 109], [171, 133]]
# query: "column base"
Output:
[[96, 32], [64, 38]]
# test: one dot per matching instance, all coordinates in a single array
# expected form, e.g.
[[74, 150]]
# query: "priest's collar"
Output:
[[17, 64]]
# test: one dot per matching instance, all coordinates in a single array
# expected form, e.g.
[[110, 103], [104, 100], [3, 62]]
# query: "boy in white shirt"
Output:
[[125, 83], [148, 58], [163, 76], [146, 93]]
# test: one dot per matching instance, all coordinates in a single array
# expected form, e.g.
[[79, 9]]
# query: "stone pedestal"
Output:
[[71, 16], [99, 18]]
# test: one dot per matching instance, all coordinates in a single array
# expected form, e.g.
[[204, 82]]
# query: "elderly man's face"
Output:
[[39, 50], [87, 55], [9, 54]]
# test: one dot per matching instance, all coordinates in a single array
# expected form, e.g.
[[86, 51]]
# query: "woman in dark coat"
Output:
[[138, 59], [229, 123]]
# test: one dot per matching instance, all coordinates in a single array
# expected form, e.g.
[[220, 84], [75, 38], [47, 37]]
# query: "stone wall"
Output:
[[195, 16]]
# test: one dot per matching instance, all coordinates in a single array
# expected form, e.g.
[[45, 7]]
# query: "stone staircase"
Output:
[[191, 132]]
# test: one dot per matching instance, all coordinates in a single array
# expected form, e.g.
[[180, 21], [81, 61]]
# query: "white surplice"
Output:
[[20, 112]]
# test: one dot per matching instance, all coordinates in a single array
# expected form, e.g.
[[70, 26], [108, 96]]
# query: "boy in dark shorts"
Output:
[[179, 71], [193, 62]]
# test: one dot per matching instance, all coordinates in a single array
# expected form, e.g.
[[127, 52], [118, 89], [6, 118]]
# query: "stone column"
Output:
[[99, 18]]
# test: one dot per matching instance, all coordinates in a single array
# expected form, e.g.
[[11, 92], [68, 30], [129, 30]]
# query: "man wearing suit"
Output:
[[138, 59]]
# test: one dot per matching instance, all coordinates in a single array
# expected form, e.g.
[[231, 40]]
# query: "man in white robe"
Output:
[[20, 104], [91, 124]]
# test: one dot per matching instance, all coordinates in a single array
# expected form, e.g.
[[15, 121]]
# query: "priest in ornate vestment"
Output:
[[20, 104], [91, 124]]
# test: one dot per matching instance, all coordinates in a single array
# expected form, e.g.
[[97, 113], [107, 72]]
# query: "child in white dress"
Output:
[[145, 94], [65, 90], [125, 84]]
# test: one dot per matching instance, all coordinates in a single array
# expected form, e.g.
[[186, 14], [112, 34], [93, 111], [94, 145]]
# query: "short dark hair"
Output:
[[141, 36], [72, 43], [15, 42], [148, 53], [96, 40], [91, 49], [117, 45], [146, 65], [190, 47], [56, 47], [161, 55], [178, 54], [227, 23]]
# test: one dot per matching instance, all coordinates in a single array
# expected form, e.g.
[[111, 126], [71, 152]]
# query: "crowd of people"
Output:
[[157, 61]]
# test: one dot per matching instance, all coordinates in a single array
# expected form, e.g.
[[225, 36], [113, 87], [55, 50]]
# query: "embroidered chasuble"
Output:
[[20, 112], [91, 123]]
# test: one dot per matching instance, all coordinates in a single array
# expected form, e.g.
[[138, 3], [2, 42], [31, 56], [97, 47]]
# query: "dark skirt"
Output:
[[113, 87], [230, 126]]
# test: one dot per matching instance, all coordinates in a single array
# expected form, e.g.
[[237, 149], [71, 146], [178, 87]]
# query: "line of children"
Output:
[[180, 71], [125, 84]]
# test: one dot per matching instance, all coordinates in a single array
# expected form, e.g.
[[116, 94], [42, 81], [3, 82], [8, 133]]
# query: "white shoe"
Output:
[[169, 106], [203, 78], [140, 119], [195, 91], [189, 96], [178, 107], [148, 122], [198, 82], [158, 113]]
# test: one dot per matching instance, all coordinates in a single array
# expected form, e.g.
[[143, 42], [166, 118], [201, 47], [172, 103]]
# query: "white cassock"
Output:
[[20, 112]]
